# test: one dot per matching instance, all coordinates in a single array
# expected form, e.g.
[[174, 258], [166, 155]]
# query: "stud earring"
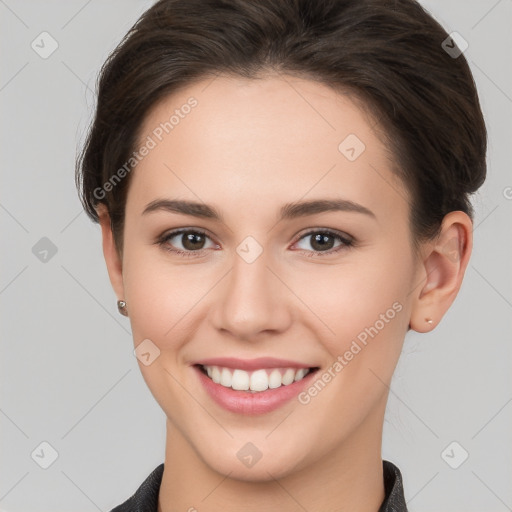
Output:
[[429, 320], [121, 306]]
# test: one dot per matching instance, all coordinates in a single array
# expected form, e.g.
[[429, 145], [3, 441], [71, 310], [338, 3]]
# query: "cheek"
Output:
[[160, 297], [366, 312], [349, 296], [154, 291], [362, 308]]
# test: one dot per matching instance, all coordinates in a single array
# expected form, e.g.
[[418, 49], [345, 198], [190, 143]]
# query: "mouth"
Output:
[[256, 381]]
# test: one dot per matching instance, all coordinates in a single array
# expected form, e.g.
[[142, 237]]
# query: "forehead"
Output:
[[277, 137], [253, 111]]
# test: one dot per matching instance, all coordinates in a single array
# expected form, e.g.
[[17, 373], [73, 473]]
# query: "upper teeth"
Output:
[[259, 380]]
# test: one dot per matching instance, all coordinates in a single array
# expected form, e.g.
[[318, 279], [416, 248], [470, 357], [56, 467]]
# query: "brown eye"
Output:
[[192, 241], [185, 241], [323, 241]]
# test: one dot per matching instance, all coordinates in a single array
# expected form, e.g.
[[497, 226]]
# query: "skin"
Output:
[[248, 147]]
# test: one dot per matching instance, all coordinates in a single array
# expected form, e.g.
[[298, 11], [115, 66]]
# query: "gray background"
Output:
[[68, 374]]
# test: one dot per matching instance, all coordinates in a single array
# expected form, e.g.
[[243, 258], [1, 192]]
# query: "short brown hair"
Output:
[[387, 53]]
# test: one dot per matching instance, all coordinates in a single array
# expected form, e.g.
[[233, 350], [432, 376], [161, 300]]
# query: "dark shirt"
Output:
[[145, 498]]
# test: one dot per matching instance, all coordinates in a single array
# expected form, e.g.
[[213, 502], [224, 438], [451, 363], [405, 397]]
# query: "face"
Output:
[[325, 288]]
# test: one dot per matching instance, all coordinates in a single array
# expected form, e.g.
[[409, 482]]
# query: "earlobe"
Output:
[[112, 258], [442, 271]]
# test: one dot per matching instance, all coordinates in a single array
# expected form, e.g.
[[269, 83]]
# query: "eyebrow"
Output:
[[287, 212]]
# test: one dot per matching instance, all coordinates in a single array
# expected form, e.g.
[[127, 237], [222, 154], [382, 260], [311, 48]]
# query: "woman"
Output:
[[283, 192]]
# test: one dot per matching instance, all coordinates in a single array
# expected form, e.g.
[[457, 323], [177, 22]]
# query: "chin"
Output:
[[247, 463]]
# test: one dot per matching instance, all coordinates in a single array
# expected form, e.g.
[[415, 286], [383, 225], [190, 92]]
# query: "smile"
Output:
[[259, 387], [254, 381]]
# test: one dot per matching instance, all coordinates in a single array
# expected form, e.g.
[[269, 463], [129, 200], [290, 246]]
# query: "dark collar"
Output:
[[394, 489], [145, 498]]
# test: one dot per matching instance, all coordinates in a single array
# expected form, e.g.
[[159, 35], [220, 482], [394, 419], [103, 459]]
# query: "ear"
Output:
[[112, 257], [443, 266]]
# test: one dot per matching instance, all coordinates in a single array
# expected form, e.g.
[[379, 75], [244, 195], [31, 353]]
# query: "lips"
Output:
[[253, 386]]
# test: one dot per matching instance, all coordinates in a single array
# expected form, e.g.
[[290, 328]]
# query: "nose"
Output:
[[252, 300]]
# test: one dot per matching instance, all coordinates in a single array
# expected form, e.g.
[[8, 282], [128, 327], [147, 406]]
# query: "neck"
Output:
[[348, 478]]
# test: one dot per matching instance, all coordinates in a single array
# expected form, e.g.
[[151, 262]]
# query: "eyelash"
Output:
[[347, 242]]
